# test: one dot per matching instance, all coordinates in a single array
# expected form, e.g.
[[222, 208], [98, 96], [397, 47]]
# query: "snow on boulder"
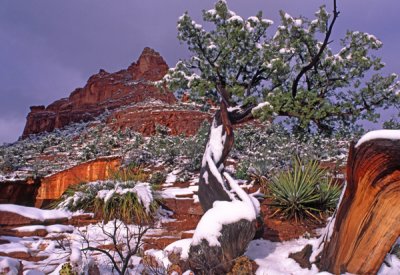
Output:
[[180, 246], [11, 214]]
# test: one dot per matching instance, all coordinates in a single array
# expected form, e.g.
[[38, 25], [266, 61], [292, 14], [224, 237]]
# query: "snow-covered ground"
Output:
[[64, 242]]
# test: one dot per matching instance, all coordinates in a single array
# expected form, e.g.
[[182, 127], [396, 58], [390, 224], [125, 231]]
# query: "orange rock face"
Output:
[[21, 192], [52, 187], [103, 91]]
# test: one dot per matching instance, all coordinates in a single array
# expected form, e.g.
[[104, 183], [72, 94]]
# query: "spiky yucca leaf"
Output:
[[330, 193], [300, 192]]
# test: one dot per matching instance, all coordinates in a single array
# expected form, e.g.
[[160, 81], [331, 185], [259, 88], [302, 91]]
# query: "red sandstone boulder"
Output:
[[10, 218]]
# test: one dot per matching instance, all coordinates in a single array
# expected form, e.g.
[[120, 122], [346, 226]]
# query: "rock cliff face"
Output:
[[144, 119], [52, 187], [103, 91], [22, 192]]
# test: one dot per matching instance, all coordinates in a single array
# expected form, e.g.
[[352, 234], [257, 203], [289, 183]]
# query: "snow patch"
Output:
[[173, 192], [181, 246], [235, 18], [379, 134], [272, 257], [268, 21], [262, 105], [55, 228], [10, 264], [13, 247], [222, 213], [253, 18], [211, 12], [35, 213]]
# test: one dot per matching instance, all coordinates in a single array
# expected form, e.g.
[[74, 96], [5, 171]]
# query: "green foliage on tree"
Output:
[[295, 68]]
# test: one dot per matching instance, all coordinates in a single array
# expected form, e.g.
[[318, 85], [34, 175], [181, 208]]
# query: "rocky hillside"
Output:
[[110, 91]]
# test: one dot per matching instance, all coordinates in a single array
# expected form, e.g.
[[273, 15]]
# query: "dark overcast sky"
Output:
[[50, 47]]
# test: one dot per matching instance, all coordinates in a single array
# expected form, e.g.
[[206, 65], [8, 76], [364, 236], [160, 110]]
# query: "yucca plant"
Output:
[[257, 173], [126, 207], [302, 191], [330, 193]]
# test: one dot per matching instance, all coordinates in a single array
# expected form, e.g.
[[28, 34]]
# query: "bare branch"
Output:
[[317, 57]]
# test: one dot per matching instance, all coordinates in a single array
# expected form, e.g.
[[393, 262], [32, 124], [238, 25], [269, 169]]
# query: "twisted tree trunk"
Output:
[[367, 221], [216, 255], [212, 186]]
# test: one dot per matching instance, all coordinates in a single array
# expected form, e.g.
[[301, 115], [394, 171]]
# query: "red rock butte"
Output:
[[103, 91]]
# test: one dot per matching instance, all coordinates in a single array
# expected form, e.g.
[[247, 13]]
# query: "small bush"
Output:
[[108, 200], [132, 172], [303, 191], [258, 173], [78, 196], [158, 178], [126, 207], [242, 171]]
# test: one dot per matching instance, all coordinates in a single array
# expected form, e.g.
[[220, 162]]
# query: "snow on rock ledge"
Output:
[[379, 134], [31, 213]]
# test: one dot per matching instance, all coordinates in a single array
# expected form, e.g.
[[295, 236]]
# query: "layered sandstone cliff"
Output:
[[103, 91], [53, 186]]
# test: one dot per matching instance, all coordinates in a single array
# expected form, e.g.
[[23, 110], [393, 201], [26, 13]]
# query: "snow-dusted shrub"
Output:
[[163, 146], [82, 196], [270, 148], [193, 147], [129, 200], [158, 177], [126, 205], [242, 170], [178, 150], [131, 172]]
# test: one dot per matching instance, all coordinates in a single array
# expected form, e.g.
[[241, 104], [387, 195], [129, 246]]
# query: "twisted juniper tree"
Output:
[[291, 72], [293, 68]]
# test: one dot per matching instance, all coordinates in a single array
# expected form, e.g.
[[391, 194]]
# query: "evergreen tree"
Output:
[[292, 72]]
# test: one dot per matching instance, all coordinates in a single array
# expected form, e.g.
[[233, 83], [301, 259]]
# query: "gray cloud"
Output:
[[51, 47]]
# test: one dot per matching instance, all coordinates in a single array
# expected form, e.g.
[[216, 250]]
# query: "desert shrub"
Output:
[[242, 171], [303, 191], [179, 150], [66, 269], [193, 147], [257, 173], [183, 176], [158, 178], [81, 196], [125, 206], [131, 172], [270, 148], [110, 200]]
